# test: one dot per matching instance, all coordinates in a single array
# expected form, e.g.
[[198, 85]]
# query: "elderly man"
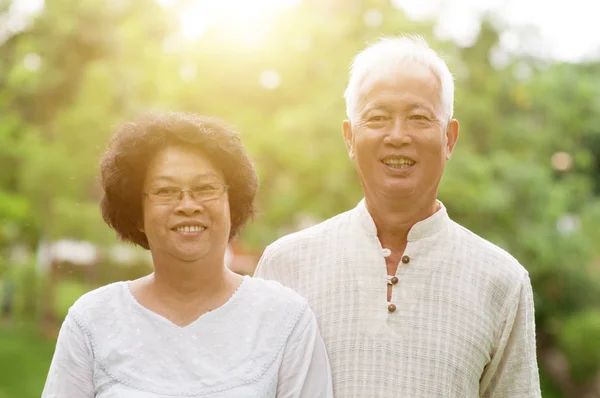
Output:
[[409, 303]]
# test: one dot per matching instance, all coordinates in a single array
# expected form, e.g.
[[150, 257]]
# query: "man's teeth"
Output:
[[187, 228], [399, 163]]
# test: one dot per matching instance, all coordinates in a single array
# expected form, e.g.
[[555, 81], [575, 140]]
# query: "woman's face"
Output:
[[179, 226]]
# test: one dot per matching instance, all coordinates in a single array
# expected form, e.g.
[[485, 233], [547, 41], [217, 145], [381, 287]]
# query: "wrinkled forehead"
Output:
[[407, 80]]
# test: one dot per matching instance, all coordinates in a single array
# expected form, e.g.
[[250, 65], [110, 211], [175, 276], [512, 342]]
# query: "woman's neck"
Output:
[[182, 295]]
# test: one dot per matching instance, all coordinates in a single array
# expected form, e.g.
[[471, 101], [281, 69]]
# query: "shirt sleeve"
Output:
[[513, 370], [305, 371], [71, 370]]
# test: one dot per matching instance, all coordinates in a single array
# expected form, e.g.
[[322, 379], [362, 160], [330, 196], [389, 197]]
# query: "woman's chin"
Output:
[[189, 255]]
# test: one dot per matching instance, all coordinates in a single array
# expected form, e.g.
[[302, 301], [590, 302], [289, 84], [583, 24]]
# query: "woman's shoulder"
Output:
[[269, 306], [102, 300], [276, 293]]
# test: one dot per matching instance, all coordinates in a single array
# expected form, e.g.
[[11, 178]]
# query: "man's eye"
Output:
[[375, 119], [418, 117]]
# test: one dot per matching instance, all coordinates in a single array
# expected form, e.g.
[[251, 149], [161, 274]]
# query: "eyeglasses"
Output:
[[199, 193]]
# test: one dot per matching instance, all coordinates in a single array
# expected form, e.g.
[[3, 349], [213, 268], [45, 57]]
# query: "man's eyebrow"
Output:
[[418, 106], [375, 107]]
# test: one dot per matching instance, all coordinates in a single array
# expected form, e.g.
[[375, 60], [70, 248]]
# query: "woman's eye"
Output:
[[205, 188], [166, 191]]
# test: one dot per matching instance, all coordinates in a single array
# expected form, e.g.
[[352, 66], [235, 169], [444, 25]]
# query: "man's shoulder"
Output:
[[311, 236], [490, 257], [287, 259]]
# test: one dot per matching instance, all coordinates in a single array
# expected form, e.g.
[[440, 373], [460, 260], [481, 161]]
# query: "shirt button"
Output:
[[405, 259], [394, 280], [391, 307]]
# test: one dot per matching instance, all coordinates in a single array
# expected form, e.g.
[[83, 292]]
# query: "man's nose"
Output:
[[398, 133]]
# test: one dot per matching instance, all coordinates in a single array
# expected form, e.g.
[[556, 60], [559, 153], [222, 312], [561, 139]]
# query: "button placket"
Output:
[[393, 279]]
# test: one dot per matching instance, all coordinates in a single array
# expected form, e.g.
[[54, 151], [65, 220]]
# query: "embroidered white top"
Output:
[[463, 323], [263, 342]]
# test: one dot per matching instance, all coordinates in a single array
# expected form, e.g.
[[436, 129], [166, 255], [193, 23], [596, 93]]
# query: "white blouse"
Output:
[[263, 342]]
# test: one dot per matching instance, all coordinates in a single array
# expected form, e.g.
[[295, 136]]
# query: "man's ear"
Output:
[[348, 138], [451, 137]]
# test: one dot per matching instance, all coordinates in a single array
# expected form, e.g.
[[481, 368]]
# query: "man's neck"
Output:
[[395, 220]]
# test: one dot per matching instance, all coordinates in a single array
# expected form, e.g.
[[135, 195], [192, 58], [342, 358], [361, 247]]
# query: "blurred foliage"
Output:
[[28, 290], [103, 62], [574, 339], [25, 360]]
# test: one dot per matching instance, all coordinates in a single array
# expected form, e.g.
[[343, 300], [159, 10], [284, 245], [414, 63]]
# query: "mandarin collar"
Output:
[[424, 228]]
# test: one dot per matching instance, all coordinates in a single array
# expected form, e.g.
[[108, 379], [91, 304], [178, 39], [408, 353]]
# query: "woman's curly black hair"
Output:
[[123, 167]]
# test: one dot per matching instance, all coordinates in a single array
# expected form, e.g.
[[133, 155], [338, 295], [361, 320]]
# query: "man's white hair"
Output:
[[383, 59]]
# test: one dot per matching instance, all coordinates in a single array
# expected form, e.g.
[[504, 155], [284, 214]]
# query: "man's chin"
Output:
[[398, 190]]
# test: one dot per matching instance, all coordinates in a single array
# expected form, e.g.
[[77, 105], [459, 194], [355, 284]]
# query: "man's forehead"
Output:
[[395, 102], [395, 82], [390, 103], [389, 97]]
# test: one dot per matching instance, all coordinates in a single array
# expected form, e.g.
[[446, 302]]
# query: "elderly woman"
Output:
[[182, 186]]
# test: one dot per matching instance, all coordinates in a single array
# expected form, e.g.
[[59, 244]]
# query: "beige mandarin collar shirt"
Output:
[[462, 321]]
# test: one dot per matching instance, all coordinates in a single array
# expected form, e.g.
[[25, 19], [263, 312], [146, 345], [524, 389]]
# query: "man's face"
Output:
[[400, 139]]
